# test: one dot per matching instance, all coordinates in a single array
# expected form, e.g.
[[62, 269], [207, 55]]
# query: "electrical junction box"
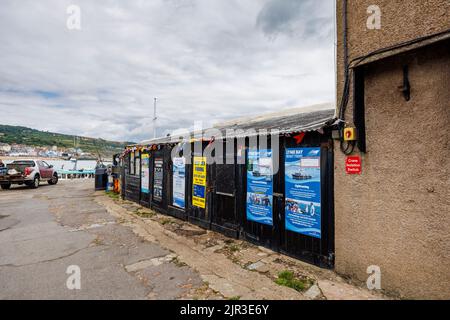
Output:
[[349, 134], [336, 134]]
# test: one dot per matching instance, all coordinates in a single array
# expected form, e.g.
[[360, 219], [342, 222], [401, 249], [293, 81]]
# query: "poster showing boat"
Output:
[[302, 185], [199, 183], [178, 180], [260, 186], [145, 173], [158, 179]]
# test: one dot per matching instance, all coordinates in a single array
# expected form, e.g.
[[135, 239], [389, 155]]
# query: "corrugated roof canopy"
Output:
[[285, 121]]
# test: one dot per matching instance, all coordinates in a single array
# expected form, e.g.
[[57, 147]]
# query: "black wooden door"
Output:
[[225, 216], [145, 175], [319, 251], [174, 208], [158, 184], [198, 214], [265, 234]]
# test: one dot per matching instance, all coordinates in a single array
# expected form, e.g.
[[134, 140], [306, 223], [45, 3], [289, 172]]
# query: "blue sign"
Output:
[[260, 186], [199, 191], [302, 183]]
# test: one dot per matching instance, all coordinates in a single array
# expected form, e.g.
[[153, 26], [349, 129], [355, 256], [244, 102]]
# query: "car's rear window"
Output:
[[24, 163]]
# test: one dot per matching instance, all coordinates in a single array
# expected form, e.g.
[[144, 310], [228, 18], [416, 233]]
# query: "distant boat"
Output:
[[66, 156], [301, 176], [256, 174]]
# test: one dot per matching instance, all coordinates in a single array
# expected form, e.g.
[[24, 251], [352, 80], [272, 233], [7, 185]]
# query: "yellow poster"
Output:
[[199, 183]]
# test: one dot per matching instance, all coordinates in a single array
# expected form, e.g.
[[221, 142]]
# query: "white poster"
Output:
[[178, 182], [145, 173]]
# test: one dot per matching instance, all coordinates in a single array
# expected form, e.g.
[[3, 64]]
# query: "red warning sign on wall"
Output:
[[353, 165]]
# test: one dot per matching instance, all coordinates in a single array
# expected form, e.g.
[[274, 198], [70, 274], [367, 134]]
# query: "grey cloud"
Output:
[[299, 18], [204, 60], [278, 15]]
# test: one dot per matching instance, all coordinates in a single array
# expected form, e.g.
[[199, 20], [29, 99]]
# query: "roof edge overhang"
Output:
[[319, 125], [402, 48], [233, 130]]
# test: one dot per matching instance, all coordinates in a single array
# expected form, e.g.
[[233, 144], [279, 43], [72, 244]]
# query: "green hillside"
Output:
[[36, 138]]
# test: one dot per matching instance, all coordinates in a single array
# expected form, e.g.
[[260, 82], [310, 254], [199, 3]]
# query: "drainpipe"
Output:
[[346, 147], [345, 57], [345, 28]]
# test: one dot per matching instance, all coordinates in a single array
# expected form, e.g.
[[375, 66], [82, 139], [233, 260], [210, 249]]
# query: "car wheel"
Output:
[[35, 183], [54, 180], [6, 186]]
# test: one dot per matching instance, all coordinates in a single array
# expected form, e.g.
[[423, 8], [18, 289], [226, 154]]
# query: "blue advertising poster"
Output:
[[179, 165], [302, 182], [260, 186]]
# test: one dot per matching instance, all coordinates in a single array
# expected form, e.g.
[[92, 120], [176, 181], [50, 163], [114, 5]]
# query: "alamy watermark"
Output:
[[374, 19], [74, 19], [73, 282], [374, 279]]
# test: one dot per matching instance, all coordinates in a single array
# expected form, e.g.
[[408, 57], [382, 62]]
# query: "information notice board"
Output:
[[158, 175], [199, 183]]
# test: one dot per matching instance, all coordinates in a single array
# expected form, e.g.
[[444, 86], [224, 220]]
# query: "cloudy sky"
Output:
[[208, 60]]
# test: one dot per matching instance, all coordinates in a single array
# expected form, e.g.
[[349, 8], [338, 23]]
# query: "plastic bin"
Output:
[[101, 179]]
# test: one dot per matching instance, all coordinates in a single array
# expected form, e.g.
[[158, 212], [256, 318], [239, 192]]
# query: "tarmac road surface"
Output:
[[45, 231]]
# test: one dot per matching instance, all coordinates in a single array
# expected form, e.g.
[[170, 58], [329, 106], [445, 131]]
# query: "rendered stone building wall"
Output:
[[396, 215]]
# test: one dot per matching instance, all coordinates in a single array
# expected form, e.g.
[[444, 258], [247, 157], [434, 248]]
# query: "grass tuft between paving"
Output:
[[113, 195], [288, 279], [144, 214]]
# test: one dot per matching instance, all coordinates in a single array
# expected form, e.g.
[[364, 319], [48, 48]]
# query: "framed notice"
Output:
[[158, 175]]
